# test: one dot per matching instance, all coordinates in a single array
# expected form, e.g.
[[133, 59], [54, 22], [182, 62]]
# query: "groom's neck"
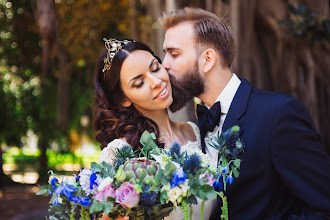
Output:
[[215, 82]]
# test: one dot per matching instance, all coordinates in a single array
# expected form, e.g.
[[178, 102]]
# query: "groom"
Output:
[[285, 173]]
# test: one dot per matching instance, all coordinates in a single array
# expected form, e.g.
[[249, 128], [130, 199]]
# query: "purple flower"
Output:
[[108, 191], [210, 179], [65, 189], [126, 195]]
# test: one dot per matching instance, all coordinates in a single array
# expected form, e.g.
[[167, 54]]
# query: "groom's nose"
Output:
[[165, 63]]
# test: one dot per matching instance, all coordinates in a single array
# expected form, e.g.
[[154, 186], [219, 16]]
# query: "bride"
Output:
[[132, 94]]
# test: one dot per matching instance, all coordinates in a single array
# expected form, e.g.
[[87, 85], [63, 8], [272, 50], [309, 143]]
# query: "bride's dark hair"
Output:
[[111, 119]]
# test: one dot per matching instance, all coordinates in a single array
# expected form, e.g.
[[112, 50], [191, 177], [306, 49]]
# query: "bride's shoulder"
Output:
[[107, 154], [189, 129]]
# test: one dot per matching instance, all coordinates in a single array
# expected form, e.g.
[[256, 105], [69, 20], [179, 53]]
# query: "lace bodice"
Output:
[[107, 153]]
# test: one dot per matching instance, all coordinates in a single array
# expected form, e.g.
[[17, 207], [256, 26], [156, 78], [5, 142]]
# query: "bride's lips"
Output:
[[163, 94]]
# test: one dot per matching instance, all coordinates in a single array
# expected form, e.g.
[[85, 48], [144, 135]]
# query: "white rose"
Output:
[[174, 194], [105, 182], [185, 187]]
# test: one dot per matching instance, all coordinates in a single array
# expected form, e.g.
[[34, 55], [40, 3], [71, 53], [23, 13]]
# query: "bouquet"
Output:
[[142, 185]]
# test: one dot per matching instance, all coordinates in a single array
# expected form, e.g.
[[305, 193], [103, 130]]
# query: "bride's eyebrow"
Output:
[[140, 75], [152, 62], [135, 77]]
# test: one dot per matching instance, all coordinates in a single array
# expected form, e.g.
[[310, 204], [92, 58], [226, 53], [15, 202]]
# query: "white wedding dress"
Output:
[[107, 155]]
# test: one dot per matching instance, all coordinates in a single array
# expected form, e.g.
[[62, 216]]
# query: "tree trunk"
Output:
[[46, 19], [272, 60], [63, 88], [133, 27]]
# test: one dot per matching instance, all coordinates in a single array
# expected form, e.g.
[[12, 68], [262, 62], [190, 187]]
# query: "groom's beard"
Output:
[[190, 85]]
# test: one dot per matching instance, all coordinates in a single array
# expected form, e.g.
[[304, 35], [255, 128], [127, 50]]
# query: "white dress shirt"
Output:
[[226, 97]]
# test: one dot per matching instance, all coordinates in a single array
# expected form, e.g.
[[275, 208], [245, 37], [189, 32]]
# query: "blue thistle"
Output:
[[148, 199], [192, 163], [175, 149], [127, 148], [117, 162]]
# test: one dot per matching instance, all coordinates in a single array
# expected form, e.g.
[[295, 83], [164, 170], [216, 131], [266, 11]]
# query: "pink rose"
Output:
[[210, 179], [108, 191], [127, 196]]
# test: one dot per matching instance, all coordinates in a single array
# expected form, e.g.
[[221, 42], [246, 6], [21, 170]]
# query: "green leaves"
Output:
[[206, 192], [147, 140], [169, 170], [43, 190]]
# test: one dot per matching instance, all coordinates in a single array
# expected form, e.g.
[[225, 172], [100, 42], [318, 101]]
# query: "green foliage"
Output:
[[306, 24]]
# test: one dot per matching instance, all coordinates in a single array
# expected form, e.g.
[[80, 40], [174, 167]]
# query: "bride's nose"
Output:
[[155, 82]]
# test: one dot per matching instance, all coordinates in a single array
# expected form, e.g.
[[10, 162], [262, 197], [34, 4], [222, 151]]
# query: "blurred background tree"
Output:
[[48, 50]]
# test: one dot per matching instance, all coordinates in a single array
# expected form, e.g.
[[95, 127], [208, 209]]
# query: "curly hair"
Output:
[[111, 119]]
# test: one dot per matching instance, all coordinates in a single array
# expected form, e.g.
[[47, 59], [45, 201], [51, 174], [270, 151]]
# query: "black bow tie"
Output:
[[208, 119]]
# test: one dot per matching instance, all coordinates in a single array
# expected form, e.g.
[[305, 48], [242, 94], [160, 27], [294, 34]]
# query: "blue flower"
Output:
[[53, 182], [83, 201], [56, 202], [148, 199], [175, 149], [229, 179], [217, 186], [179, 177], [92, 179], [192, 163], [65, 189], [117, 162], [224, 170], [77, 178]]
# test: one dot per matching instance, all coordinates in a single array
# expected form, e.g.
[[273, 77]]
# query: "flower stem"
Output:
[[184, 208], [72, 214], [191, 212], [202, 210], [224, 208]]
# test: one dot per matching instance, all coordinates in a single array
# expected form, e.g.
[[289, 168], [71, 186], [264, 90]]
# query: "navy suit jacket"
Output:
[[285, 170]]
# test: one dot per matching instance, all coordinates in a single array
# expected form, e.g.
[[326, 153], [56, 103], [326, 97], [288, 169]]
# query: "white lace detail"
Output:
[[108, 153], [195, 144]]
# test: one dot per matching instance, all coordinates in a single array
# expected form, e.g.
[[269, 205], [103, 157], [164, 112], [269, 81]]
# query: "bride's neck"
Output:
[[165, 125]]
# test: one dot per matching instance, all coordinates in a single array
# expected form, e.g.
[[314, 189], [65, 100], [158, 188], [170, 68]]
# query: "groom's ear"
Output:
[[209, 57], [126, 103]]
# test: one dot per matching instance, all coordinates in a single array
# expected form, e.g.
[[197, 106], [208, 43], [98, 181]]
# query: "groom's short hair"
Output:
[[209, 30]]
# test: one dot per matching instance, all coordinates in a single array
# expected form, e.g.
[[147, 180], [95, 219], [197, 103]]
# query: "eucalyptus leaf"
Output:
[[96, 207], [237, 163], [236, 173], [43, 190], [108, 207]]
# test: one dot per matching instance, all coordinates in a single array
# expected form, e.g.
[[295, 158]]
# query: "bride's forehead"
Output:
[[137, 61], [139, 54]]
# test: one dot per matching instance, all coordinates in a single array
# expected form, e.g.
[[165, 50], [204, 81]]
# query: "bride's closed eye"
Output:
[[155, 67]]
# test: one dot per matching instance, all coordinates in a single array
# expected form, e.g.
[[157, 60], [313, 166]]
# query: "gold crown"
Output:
[[112, 46]]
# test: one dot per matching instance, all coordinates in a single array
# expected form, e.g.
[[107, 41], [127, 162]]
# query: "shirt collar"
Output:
[[228, 93]]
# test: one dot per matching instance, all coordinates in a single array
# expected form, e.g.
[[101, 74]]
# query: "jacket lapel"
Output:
[[238, 105]]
